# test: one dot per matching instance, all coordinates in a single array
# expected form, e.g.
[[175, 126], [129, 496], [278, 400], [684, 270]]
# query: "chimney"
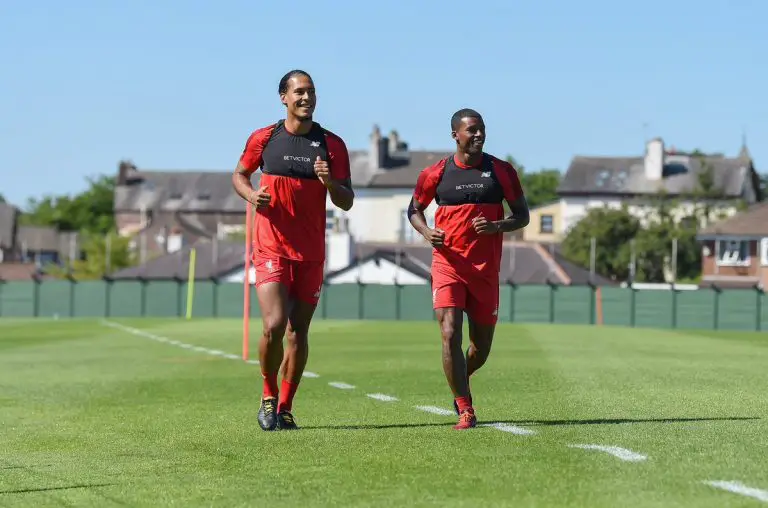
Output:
[[375, 148], [124, 168], [654, 159], [394, 141]]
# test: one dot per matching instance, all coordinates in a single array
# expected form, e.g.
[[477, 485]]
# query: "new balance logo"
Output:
[[486, 174], [314, 144]]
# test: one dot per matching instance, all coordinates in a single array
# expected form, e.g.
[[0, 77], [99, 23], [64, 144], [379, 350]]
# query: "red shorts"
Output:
[[479, 298], [304, 279]]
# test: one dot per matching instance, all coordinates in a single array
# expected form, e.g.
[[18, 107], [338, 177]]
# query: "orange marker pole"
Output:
[[599, 298], [247, 279]]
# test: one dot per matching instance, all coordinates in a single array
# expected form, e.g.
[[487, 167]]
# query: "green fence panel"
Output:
[[126, 299], [653, 309], [90, 299], [573, 305], [695, 309], [54, 298], [229, 301], [202, 299], [532, 304], [617, 306], [163, 299], [737, 309], [381, 302], [744, 309], [416, 303], [17, 299], [343, 301]]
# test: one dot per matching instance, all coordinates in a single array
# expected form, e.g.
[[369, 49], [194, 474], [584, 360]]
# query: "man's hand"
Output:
[[436, 237], [322, 171], [261, 198], [485, 227]]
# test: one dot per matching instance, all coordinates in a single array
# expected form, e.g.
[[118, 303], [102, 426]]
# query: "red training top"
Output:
[[463, 193], [287, 165]]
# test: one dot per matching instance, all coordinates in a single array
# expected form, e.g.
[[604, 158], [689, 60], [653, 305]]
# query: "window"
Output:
[[764, 251], [546, 225], [733, 253], [330, 220]]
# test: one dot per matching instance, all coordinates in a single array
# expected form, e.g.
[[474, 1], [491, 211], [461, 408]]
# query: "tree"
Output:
[[91, 210], [2, 199], [540, 187], [613, 231], [94, 265]]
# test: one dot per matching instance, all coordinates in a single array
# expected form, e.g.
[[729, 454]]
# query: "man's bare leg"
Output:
[[294, 358], [480, 341], [273, 300], [454, 364]]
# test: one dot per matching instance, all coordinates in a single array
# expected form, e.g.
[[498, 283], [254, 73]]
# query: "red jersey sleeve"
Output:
[[254, 147], [338, 156], [510, 183], [426, 184]]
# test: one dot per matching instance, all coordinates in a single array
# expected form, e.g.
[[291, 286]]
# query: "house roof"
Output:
[[38, 238], [627, 176], [752, 222], [522, 262], [228, 257], [8, 214]]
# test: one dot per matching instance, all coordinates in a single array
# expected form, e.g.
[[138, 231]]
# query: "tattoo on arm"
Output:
[[519, 218]]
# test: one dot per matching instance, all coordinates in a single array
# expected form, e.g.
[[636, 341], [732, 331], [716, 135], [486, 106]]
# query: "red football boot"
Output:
[[467, 420]]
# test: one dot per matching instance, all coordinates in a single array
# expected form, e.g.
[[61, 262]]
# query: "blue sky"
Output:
[[180, 85]]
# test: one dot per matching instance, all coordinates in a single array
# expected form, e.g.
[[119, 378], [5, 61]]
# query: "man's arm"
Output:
[[341, 193], [519, 218], [435, 237], [336, 174], [249, 161]]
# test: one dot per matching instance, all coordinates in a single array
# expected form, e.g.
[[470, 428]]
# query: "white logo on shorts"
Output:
[[269, 267]]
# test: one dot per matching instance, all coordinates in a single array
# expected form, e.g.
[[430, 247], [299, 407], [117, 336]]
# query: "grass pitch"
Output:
[[92, 415]]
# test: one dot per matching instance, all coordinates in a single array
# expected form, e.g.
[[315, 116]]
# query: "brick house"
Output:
[[735, 250]]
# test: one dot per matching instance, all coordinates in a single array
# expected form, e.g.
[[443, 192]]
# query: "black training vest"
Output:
[[294, 156], [459, 186]]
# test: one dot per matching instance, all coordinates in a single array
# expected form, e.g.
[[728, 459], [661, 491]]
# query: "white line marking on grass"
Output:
[[341, 386], [740, 488], [166, 340], [621, 453], [183, 345], [512, 429], [435, 410], [382, 397]]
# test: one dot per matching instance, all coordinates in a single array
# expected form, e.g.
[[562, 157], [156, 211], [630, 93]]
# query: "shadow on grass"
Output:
[[49, 489], [537, 423]]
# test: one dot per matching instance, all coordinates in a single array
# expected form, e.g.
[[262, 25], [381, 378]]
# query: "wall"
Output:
[[532, 232], [701, 309], [377, 215]]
